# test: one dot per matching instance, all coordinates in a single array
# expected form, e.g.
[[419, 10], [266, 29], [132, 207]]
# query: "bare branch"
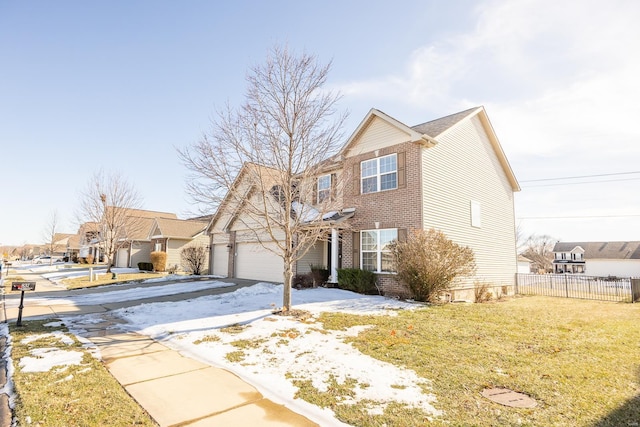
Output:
[[263, 158]]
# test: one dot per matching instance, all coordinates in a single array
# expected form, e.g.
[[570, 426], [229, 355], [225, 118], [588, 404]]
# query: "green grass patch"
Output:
[[247, 344], [207, 338], [106, 279], [236, 328], [73, 395], [578, 359], [235, 356]]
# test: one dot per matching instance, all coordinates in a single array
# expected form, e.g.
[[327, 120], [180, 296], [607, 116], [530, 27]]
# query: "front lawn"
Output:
[[107, 279], [52, 391], [579, 359]]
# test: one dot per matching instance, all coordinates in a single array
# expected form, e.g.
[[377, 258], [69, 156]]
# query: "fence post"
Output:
[[635, 290]]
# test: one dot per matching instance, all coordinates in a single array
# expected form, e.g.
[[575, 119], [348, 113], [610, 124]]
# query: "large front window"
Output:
[[379, 174], [374, 250]]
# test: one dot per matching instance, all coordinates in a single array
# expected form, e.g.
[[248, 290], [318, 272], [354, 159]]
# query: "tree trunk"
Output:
[[286, 294]]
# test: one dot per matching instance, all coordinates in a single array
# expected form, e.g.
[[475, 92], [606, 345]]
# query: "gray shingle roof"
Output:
[[602, 250], [437, 126]]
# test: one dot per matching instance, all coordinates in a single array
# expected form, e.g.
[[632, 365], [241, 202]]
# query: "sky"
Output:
[[119, 86], [190, 327]]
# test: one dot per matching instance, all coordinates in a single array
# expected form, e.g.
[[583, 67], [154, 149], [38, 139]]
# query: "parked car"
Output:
[[46, 260]]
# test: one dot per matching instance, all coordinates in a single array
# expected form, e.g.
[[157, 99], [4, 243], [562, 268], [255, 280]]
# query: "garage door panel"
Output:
[[220, 260], [253, 261]]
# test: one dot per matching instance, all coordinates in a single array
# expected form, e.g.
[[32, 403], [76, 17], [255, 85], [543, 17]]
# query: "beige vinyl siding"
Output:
[[379, 134], [463, 168], [315, 256], [140, 252], [175, 246]]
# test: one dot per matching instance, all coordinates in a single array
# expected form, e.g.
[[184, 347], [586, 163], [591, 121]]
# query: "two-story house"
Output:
[[450, 174], [603, 259]]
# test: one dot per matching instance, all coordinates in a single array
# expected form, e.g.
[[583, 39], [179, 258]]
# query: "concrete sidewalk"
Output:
[[179, 391], [174, 390]]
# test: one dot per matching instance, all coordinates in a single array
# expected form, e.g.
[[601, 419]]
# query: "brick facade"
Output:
[[400, 208]]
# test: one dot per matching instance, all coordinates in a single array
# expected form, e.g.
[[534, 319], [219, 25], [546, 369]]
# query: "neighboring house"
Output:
[[621, 259], [135, 245], [524, 265], [171, 235], [60, 244], [89, 240], [450, 174]]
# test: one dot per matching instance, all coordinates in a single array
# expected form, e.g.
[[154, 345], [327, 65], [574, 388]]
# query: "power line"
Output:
[[582, 176], [577, 183], [579, 216]]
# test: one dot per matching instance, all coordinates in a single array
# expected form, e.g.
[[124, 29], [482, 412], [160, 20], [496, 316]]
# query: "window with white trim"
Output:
[[324, 188], [379, 174], [375, 254], [158, 247]]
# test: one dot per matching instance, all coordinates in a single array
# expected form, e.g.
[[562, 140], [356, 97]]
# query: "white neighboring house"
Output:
[[524, 265], [603, 259]]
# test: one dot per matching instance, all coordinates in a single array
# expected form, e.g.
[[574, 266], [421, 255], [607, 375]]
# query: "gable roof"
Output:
[[435, 127], [602, 250], [429, 133], [232, 202], [143, 213], [178, 228], [414, 135]]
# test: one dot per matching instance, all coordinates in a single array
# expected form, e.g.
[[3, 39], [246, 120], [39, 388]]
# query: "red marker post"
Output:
[[22, 286]]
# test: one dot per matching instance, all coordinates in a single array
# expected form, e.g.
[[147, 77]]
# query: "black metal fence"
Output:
[[579, 286]]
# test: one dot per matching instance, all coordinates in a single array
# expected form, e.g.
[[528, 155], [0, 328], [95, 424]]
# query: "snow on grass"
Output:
[[275, 350]]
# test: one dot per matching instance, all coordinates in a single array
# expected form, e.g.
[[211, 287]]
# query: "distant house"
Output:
[[524, 265], [450, 174], [621, 259], [171, 235]]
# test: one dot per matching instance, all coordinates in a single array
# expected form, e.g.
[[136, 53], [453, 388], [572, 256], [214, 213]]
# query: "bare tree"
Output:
[[275, 142], [194, 258], [50, 232], [539, 249], [111, 202]]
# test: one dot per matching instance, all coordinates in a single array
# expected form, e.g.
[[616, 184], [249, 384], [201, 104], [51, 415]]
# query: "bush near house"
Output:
[[159, 260], [320, 274], [428, 262], [303, 281], [356, 280], [145, 266]]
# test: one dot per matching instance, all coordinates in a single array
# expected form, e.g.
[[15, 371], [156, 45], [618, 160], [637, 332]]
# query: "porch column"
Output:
[[334, 256]]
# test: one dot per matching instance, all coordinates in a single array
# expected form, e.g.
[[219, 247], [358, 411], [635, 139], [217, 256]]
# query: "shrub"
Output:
[[482, 292], [356, 280], [319, 274], [89, 259], [145, 266], [159, 260], [194, 259], [302, 281], [429, 263]]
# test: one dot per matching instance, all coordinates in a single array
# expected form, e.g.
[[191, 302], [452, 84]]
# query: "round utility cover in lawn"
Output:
[[507, 397]]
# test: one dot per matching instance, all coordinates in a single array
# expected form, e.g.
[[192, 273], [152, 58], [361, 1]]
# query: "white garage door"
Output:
[[220, 260], [253, 261], [122, 258]]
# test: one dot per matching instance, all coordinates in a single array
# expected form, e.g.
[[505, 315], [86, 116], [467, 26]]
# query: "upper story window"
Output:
[[576, 256], [379, 174], [374, 250], [324, 188]]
